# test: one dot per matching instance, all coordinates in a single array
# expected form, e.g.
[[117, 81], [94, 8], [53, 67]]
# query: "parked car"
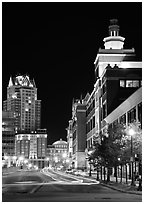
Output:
[[68, 171], [78, 172]]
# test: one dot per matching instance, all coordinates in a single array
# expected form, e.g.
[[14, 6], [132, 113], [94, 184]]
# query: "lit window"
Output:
[[132, 83], [122, 83]]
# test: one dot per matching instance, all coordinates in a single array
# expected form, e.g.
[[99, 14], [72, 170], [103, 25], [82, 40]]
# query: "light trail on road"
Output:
[[39, 187], [70, 179], [52, 178]]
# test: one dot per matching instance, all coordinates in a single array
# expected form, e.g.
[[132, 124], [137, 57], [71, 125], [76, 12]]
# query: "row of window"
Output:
[[132, 115], [123, 83], [74, 135], [89, 143], [90, 108], [60, 151], [130, 83], [27, 91], [61, 146], [90, 125], [104, 111]]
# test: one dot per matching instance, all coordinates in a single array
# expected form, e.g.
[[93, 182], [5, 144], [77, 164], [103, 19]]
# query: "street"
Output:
[[48, 185]]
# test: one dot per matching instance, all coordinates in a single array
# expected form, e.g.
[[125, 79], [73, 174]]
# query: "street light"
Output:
[[119, 159], [25, 161], [131, 133], [64, 155], [21, 160], [29, 165], [47, 159], [14, 157], [6, 157], [67, 160], [56, 159]]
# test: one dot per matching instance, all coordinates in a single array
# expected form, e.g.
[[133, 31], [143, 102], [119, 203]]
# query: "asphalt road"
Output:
[[49, 186]]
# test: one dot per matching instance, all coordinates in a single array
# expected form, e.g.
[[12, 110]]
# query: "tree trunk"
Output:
[[129, 171], [98, 174], [101, 172], [126, 172], [104, 173], [108, 173], [121, 173], [115, 173]]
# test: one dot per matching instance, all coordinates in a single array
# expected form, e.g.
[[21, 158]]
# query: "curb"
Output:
[[115, 188], [35, 189], [118, 189]]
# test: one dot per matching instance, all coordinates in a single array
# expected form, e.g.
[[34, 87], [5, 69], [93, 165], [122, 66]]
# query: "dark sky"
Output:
[[56, 44]]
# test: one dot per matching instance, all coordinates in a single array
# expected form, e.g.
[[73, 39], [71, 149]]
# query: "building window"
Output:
[[132, 83], [132, 115], [140, 113], [122, 83], [104, 111], [104, 88], [93, 121], [123, 119], [94, 103]]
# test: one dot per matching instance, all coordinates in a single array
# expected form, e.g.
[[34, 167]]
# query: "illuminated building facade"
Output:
[[117, 76], [22, 100], [57, 154], [8, 133], [79, 133], [32, 146], [128, 111], [69, 139]]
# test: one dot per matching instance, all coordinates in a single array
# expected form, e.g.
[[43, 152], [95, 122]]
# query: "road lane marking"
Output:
[[25, 182], [74, 177], [62, 174]]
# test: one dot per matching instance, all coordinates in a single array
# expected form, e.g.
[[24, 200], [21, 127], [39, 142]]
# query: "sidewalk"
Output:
[[9, 170], [120, 186]]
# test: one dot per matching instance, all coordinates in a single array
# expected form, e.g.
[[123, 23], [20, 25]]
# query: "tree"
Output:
[[133, 147], [107, 152]]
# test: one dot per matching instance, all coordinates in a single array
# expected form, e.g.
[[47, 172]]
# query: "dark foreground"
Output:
[[51, 186]]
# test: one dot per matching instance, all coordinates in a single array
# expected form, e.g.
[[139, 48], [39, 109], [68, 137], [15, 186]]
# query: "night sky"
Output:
[[56, 44]]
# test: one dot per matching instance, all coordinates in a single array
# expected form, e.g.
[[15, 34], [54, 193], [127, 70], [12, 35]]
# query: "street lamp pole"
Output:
[[90, 169], [132, 183], [131, 132]]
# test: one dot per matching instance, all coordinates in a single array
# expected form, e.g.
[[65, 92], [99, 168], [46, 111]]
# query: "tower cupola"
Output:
[[114, 41], [114, 27]]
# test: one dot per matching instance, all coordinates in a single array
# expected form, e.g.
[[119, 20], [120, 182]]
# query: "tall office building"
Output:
[[22, 100], [8, 133]]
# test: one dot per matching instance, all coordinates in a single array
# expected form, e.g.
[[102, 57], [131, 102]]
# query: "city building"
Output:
[[8, 137], [79, 133], [69, 139], [57, 154], [118, 75], [127, 112], [32, 147], [22, 100]]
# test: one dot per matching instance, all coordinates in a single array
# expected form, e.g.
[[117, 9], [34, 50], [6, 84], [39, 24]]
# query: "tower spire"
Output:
[[10, 82]]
